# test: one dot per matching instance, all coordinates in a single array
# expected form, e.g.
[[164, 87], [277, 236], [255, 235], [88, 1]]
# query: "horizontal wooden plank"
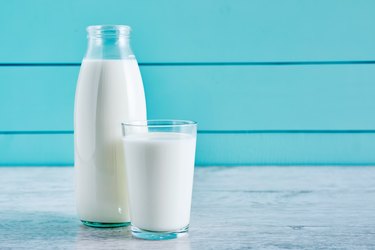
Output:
[[37, 98], [193, 31], [314, 97], [264, 97], [36, 149], [214, 149], [286, 149]]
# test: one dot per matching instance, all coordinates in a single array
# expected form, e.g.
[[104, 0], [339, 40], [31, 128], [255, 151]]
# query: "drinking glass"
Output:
[[159, 162]]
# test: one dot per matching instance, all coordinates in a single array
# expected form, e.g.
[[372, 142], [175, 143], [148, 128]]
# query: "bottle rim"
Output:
[[99, 31]]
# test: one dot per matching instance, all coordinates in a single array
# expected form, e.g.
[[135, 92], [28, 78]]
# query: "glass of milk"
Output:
[[159, 161]]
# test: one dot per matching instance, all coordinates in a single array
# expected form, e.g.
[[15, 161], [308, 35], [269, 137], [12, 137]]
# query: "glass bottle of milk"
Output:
[[109, 92]]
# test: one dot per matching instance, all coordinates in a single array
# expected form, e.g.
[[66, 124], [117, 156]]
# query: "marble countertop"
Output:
[[233, 208]]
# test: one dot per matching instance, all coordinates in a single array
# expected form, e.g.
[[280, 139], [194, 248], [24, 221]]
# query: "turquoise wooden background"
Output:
[[270, 82]]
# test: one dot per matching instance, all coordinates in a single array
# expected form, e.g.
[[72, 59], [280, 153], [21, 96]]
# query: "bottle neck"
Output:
[[108, 42]]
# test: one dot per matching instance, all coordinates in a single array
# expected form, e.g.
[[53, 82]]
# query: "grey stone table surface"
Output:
[[233, 208]]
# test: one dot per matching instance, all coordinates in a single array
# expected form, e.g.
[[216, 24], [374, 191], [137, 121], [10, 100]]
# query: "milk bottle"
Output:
[[109, 91]]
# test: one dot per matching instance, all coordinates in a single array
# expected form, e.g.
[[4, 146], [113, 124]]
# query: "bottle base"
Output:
[[104, 225], [152, 235]]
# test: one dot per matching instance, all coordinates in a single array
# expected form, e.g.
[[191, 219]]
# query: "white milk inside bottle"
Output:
[[109, 91]]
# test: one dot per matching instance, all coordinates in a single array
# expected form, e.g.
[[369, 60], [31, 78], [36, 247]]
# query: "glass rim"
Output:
[[159, 123]]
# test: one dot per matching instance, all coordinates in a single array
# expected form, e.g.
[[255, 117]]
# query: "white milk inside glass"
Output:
[[108, 92], [160, 168]]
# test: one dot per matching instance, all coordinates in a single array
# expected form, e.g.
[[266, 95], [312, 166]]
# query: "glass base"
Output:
[[105, 225], [152, 235]]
